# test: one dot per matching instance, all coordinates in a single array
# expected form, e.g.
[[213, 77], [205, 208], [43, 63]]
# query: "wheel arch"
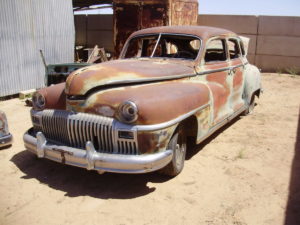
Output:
[[190, 126]]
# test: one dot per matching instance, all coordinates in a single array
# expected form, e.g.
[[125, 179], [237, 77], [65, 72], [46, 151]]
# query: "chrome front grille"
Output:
[[75, 129], [85, 127], [54, 125]]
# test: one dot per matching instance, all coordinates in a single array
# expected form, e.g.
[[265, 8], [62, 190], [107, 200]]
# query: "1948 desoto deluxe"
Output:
[[134, 114]]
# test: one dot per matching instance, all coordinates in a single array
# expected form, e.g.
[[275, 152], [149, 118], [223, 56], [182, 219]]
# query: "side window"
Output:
[[215, 51], [234, 50]]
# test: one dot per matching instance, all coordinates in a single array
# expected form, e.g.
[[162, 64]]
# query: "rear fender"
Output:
[[252, 82]]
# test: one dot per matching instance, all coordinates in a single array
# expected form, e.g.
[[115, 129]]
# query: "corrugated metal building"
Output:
[[26, 26]]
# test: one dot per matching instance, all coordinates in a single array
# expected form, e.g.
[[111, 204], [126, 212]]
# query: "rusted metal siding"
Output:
[[133, 15], [25, 28], [130, 16], [183, 12]]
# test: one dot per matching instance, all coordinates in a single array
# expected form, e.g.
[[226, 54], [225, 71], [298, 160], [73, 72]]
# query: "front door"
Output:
[[237, 74]]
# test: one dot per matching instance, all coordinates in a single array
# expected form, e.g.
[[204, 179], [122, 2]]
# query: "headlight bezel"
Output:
[[128, 112], [38, 101]]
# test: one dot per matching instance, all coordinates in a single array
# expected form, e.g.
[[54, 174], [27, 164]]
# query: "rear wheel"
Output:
[[178, 145]]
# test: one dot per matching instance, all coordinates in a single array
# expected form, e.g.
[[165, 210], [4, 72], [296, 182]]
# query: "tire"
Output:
[[178, 145], [250, 108]]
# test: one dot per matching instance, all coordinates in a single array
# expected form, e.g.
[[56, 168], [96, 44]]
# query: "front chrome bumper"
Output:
[[6, 140], [92, 160]]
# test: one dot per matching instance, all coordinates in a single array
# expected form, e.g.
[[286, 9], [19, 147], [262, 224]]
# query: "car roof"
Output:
[[203, 32]]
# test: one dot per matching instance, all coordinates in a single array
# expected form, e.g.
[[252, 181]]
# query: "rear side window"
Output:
[[215, 51], [234, 50]]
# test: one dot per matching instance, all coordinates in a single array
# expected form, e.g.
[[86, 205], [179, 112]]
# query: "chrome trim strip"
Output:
[[237, 66], [141, 81], [169, 123], [220, 70], [214, 71]]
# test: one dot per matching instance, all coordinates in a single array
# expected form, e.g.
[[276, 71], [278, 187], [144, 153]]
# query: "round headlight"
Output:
[[38, 101], [128, 112]]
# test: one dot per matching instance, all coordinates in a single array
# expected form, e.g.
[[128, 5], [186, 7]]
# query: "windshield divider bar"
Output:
[[158, 40]]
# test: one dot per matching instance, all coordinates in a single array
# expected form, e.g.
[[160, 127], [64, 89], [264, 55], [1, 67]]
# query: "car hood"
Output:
[[125, 72]]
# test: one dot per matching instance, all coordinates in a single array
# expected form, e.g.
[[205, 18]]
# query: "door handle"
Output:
[[231, 72]]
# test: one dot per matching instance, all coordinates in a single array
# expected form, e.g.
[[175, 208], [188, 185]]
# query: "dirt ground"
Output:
[[247, 173]]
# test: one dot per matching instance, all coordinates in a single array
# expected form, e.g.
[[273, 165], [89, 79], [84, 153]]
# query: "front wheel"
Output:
[[178, 145]]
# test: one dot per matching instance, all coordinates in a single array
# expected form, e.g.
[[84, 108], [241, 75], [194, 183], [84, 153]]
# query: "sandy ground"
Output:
[[241, 175]]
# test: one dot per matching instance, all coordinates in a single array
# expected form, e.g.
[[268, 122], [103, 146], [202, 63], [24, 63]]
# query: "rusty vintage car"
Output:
[[134, 114], [5, 136]]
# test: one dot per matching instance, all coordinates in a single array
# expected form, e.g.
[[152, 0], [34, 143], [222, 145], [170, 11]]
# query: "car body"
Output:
[[134, 114], [5, 136]]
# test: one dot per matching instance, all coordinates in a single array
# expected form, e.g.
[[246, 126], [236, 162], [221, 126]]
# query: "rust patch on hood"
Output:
[[123, 71]]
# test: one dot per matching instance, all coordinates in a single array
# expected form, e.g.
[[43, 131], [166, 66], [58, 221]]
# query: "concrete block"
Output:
[[276, 63], [104, 39], [100, 22], [235, 23], [278, 45], [279, 25], [80, 29], [252, 43]]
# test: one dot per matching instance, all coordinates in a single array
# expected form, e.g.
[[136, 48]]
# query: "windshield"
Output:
[[163, 46]]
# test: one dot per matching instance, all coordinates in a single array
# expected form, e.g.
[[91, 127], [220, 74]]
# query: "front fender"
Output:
[[55, 96], [157, 102]]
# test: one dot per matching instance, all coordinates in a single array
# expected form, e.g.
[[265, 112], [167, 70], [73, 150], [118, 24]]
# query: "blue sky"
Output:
[[250, 7], [240, 7]]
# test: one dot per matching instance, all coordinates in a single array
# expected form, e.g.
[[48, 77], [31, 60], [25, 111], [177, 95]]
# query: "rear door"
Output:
[[217, 75]]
